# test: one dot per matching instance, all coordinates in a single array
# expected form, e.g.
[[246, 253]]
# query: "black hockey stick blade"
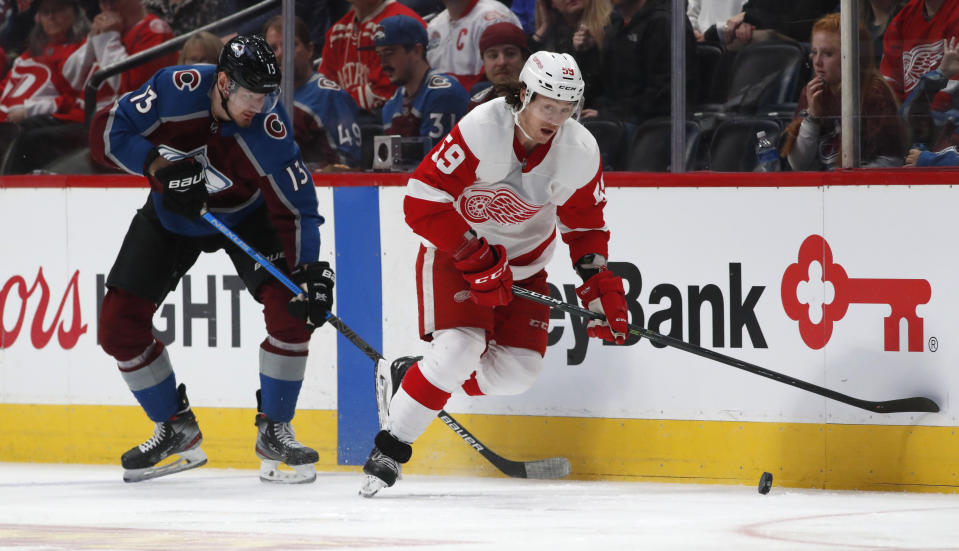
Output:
[[553, 467], [914, 404]]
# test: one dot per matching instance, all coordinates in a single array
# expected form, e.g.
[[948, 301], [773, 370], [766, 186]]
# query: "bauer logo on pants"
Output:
[[815, 267]]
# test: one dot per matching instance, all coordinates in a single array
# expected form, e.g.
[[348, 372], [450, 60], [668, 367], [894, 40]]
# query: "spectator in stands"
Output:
[[455, 34], [324, 115], [877, 14], [348, 56], [575, 27], [203, 47], [525, 11], [35, 94], [17, 25], [504, 50], [427, 102], [763, 20], [318, 14], [35, 85], [707, 15], [813, 138], [121, 29], [915, 64], [184, 16], [635, 91]]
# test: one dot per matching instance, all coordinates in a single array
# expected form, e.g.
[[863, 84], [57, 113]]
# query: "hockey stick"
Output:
[[553, 467], [914, 404]]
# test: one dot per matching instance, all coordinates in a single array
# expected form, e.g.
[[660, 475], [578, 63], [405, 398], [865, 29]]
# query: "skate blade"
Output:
[[372, 485], [384, 391], [188, 459], [271, 472]]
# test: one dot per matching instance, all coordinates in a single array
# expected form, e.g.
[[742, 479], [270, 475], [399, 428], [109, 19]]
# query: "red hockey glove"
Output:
[[486, 269], [603, 293]]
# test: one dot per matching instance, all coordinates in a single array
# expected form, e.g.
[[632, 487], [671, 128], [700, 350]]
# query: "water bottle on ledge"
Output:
[[767, 158]]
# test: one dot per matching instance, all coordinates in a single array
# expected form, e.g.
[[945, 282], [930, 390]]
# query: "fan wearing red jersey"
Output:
[[488, 216]]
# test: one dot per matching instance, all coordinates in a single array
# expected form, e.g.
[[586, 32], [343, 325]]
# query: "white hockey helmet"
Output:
[[554, 75]]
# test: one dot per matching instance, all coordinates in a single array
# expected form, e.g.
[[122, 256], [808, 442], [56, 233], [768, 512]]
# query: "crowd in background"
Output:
[[415, 67]]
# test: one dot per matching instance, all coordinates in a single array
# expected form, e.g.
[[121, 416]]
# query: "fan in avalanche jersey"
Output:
[[487, 203], [427, 103], [213, 137], [324, 115]]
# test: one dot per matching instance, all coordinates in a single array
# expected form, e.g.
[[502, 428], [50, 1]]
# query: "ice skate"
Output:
[[276, 444], [388, 379], [382, 468], [180, 435]]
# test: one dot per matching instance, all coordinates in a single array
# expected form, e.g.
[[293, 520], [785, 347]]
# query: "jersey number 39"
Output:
[[447, 157]]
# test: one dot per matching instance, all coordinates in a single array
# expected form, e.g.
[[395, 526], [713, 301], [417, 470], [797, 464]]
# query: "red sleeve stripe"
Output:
[[526, 259]]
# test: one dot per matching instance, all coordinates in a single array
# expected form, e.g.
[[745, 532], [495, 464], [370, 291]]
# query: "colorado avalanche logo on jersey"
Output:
[[326, 83], [502, 206], [438, 81], [186, 80], [274, 126], [918, 61], [215, 180]]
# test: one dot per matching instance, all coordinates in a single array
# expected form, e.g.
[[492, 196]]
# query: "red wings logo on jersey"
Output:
[[502, 206], [25, 79], [274, 126], [186, 80], [919, 60]]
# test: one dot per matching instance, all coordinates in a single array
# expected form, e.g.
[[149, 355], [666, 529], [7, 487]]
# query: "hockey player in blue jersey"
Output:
[[324, 115], [213, 138], [427, 103]]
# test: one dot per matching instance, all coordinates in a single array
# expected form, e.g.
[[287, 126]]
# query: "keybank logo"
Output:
[[817, 292]]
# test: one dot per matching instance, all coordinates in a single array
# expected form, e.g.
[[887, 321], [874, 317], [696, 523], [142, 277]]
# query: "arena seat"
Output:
[[733, 145], [611, 138], [763, 76], [649, 150]]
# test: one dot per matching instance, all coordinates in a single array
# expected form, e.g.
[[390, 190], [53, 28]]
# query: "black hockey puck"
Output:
[[765, 483]]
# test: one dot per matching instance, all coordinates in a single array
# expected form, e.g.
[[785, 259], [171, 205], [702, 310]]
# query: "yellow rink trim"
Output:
[[865, 457]]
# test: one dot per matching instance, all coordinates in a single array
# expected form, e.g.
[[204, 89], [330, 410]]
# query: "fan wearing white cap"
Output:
[[487, 203]]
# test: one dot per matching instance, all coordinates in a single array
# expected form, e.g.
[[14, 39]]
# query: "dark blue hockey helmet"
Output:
[[250, 62]]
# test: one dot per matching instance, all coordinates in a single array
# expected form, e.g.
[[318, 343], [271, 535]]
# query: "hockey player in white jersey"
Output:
[[487, 202]]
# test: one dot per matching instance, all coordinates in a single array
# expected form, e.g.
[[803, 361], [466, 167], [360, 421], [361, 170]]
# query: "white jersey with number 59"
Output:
[[480, 177]]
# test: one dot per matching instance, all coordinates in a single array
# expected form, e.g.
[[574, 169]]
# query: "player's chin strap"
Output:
[[526, 101], [223, 101]]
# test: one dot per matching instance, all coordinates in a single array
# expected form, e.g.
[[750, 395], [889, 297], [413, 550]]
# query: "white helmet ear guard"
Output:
[[555, 76]]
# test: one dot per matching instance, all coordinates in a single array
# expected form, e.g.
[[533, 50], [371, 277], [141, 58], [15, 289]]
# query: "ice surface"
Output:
[[71, 507]]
